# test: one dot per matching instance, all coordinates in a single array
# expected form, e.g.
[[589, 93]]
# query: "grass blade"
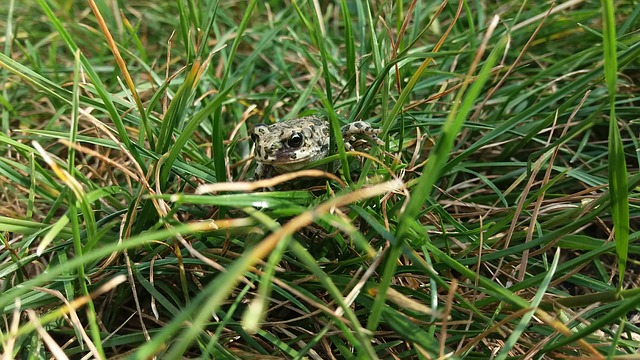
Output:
[[617, 164]]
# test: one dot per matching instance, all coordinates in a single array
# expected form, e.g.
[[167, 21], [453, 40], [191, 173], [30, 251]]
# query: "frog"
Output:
[[293, 144]]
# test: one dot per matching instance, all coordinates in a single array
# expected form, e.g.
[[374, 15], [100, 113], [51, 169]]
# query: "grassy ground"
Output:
[[484, 228]]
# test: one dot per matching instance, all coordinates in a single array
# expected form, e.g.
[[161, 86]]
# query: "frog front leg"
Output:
[[264, 171]]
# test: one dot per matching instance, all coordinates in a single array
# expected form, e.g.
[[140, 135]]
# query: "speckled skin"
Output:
[[293, 144]]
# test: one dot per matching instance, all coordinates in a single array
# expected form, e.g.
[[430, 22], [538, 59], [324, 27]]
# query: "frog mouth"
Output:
[[284, 157], [286, 160]]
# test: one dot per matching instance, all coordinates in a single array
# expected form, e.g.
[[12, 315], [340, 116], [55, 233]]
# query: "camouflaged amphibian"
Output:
[[293, 144]]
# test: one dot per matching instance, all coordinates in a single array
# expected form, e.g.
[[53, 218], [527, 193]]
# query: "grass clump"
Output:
[[498, 220]]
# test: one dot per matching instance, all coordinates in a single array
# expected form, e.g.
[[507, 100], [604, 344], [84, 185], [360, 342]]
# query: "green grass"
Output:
[[499, 220]]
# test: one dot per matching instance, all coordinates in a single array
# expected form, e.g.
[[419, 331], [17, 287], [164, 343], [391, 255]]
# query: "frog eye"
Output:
[[255, 138], [296, 140]]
